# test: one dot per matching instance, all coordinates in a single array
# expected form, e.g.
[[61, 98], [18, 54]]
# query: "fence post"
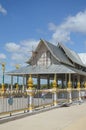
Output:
[[55, 91], [78, 88], [30, 93], [69, 89]]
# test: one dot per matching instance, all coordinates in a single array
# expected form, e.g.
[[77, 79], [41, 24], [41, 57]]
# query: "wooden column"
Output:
[[26, 80], [23, 88], [38, 82], [11, 82], [48, 81], [66, 80], [62, 81]]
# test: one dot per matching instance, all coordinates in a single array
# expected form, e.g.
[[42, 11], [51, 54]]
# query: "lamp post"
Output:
[[3, 70], [17, 86]]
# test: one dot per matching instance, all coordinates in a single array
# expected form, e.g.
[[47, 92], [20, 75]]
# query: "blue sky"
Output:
[[24, 22]]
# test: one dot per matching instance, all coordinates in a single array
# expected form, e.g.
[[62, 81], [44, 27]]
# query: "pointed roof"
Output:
[[61, 53], [72, 55], [57, 53], [64, 57]]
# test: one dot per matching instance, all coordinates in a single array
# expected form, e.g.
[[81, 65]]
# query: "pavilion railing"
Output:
[[19, 101]]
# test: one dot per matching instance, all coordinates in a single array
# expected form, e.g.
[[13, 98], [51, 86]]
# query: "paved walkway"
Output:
[[65, 118]]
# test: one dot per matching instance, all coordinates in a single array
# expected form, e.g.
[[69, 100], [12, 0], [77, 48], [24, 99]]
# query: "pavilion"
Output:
[[48, 60]]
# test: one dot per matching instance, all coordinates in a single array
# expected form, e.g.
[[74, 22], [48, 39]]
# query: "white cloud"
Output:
[[12, 47], [61, 36], [27, 46], [17, 57], [21, 52], [52, 27], [2, 56], [3, 10], [71, 24], [29, 43]]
